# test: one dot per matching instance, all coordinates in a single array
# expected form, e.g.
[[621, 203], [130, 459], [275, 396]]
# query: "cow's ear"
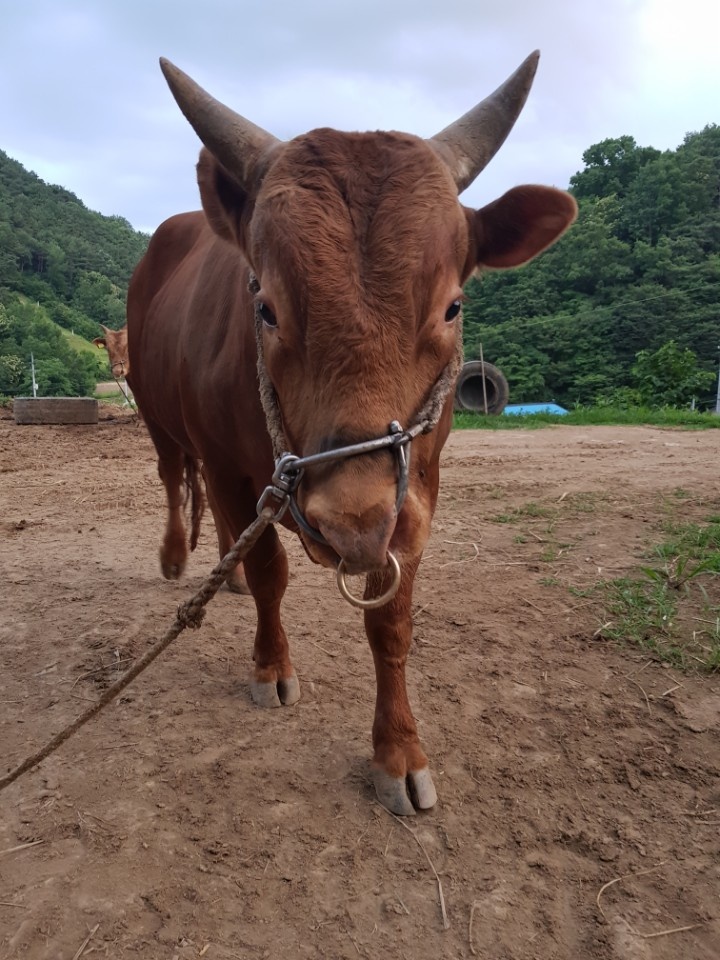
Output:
[[100, 342], [519, 225], [224, 200]]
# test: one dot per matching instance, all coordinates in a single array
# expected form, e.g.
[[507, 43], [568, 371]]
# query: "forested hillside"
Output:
[[625, 308], [60, 265], [639, 271]]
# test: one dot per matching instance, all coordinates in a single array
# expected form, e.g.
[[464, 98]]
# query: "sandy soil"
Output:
[[185, 822]]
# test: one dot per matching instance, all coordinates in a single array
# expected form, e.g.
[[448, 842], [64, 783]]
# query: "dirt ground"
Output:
[[185, 822]]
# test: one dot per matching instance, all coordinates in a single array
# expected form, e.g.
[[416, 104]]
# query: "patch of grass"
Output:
[[553, 551], [583, 502], [643, 612], [693, 540], [530, 510], [477, 421], [583, 592], [116, 399], [81, 345], [672, 607], [108, 394], [591, 416]]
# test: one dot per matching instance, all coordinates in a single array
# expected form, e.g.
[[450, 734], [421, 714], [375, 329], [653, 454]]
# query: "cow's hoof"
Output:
[[172, 571], [276, 693], [405, 795], [236, 582], [172, 563]]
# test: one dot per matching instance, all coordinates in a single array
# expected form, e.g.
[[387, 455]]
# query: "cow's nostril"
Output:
[[361, 540]]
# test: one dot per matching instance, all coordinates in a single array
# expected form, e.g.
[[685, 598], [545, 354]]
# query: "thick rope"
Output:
[[432, 411], [268, 397], [189, 614]]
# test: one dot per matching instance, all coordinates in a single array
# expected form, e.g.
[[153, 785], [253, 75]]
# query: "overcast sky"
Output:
[[83, 102]]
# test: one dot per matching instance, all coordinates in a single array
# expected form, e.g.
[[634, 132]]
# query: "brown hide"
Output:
[[360, 248]]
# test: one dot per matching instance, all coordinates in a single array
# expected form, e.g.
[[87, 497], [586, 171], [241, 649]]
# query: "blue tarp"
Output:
[[524, 408]]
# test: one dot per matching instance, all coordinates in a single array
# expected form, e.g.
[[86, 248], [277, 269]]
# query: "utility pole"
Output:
[[717, 398], [482, 370], [34, 382]]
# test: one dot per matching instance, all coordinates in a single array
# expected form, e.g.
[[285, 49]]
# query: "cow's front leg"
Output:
[[274, 680], [400, 767]]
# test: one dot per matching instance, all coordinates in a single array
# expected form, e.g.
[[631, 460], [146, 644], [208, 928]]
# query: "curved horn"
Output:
[[469, 144], [236, 142]]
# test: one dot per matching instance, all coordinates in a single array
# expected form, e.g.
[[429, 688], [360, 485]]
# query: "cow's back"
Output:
[[169, 246]]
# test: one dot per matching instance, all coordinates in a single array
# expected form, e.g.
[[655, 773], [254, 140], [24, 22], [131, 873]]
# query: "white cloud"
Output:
[[89, 107]]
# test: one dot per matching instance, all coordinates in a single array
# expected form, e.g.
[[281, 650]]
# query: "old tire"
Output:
[[469, 390]]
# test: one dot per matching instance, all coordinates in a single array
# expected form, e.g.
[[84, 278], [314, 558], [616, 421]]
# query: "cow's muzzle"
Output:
[[289, 471]]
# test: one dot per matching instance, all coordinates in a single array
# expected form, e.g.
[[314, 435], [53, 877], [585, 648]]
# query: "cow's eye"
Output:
[[453, 310], [266, 315]]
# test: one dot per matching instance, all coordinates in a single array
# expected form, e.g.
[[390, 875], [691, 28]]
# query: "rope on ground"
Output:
[[189, 614]]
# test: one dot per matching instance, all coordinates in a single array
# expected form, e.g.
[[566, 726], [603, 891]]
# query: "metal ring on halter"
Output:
[[376, 601]]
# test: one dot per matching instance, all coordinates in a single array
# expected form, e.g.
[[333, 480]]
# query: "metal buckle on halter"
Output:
[[285, 479]]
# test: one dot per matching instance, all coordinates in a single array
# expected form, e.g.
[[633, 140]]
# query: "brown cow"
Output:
[[332, 267], [116, 344]]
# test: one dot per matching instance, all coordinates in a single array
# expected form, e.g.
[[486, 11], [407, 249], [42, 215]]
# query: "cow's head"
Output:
[[115, 342], [361, 249]]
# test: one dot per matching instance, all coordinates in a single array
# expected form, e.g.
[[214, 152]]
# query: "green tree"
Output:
[[12, 374], [611, 166], [25, 329], [639, 268], [99, 299], [59, 262], [669, 376]]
